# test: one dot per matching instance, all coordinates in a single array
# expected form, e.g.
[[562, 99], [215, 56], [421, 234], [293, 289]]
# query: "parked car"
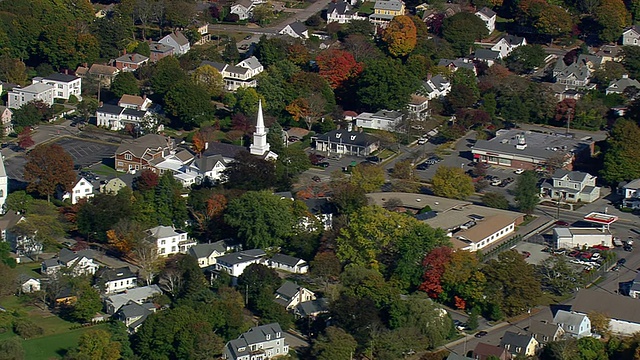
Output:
[[248, 37], [574, 253], [484, 165], [519, 171], [621, 261], [316, 178], [627, 247], [595, 256], [323, 164], [422, 141], [374, 159], [561, 223], [480, 334], [423, 166], [496, 182], [526, 254]]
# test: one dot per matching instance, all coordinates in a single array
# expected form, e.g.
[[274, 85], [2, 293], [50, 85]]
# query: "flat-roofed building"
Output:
[[569, 238], [530, 150]]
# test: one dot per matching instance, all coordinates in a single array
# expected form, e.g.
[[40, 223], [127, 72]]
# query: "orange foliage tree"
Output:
[[400, 36], [435, 263], [337, 66], [198, 143]]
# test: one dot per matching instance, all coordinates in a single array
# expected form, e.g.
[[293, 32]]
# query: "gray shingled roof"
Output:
[[288, 290], [345, 136], [226, 150], [258, 334], [252, 63], [205, 250], [487, 12], [240, 257], [132, 58], [61, 77], [110, 109], [219, 66], [538, 328], [162, 231], [621, 84], [392, 5], [285, 259], [572, 175], [568, 318], [312, 307], [116, 274], [515, 340], [298, 27], [486, 54], [159, 47], [341, 7], [179, 38], [615, 306]]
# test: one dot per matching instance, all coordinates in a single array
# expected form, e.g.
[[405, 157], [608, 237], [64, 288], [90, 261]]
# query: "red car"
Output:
[[526, 254], [561, 223], [574, 253], [585, 255], [601, 247]]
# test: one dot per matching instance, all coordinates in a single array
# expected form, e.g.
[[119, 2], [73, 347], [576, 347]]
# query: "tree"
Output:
[[553, 21], [261, 219], [600, 323], [87, 305], [87, 107], [619, 159], [612, 16], [461, 30], [258, 279], [511, 283], [611, 70], [348, 197], [190, 103], [11, 349], [451, 182], [557, 275], [334, 344], [270, 51], [263, 14], [48, 167], [526, 58], [96, 345], [326, 265], [230, 52], [419, 312], [24, 139], [385, 84], [400, 36], [495, 200], [337, 66], [146, 181], [462, 281], [209, 78], [631, 60], [527, 192], [249, 172], [590, 348], [148, 260], [143, 49], [125, 83], [403, 170], [369, 177], [434, 264], [125, 235], [19, 201], [30, 114], [167, 73]]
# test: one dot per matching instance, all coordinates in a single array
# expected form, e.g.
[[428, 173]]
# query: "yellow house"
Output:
[[385, 10]]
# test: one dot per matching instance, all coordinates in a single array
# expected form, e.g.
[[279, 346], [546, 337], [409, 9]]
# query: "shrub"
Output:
[[26, 328]]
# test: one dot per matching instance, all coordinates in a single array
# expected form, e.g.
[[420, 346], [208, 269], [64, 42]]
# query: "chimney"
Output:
[[338, 127], [206, 145], [101, 103], [625, 76], [125, 52], [349, 127]]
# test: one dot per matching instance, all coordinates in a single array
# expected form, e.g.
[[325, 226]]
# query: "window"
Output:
[[162, 242], [268, 336], [128, 157], [77, 191], [570, 327], [87, 190], [518, 349]]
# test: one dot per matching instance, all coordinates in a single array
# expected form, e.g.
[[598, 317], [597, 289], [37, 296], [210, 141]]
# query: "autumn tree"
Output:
[[48, 167], [125, 235], [613, 17], [146, 181], [210, 79], [337, 66], [451, 182], [600, 323], [435, 264], [198, 143], [368, 176], [400, 36], [553, 21], [24, 138]]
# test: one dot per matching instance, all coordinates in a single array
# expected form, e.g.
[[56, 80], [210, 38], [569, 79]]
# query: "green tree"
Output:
[[558, 276], [246, 101], [526, 58], [19, 201], [420, 312], [143, 49], [11, 349], [189, 103], [125, 83], [400, 36], [87, 305], [607, 72], [553, 21], [511, 283], [209, 78], [258, 279], [96, 345], [495, 200], [261, 219], [622, 149], [612, 16], [527, 192], [230, 52], [631, 60], [101, 212], [263, 14], [167, 73], [170, 206], [271, 51], [30, 114], [451, 182], [590, 348], [48, 167], [348, 197], [334, 344], [461, 30], [87, 107], [369, 177], [385, 84]]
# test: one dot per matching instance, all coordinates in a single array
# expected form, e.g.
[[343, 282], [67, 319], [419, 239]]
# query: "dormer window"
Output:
[[268, 336], [338, 135], [278, 334]]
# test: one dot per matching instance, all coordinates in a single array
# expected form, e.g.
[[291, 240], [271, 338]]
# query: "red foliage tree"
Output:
[[336, 66], [147, 180], [564, 108], [24, 138], [435, 263], [460, 303], [240, 122]]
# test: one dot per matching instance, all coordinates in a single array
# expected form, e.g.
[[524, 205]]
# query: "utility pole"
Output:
[[569, 113]]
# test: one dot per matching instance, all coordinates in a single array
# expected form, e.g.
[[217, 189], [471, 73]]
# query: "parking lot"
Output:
[[86, 153]]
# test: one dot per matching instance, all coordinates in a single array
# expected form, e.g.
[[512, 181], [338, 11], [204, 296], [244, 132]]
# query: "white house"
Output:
[[19, 96], [64, 85], [169, 240], [631, 194], [435, 87], [177, 41], [259, 343], [631, 36], [251, 63], [296, 30], [235, 263], [571, 186], [82, 189], [290, 295], [507, 44], [139, 295], [135, 102], [80, 263], [29, 285], [206, 254], [573, 323], [241, 75], [117, 280], [22, 244], [618, 86], [382, 120], [5, 120], [244, 8], [342, 13], [4, 185], [489, 17], [115, 117], [288, 263], [634, 292]]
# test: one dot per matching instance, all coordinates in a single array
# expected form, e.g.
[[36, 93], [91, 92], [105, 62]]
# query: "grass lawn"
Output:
[[54, 346], [366, 8], [103, 170]]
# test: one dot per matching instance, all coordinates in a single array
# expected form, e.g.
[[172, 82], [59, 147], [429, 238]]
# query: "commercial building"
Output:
[[346, 142], [569, 238], [531, 150], [621, 310]]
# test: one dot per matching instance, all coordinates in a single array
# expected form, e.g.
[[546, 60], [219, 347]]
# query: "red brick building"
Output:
[[137, 155]]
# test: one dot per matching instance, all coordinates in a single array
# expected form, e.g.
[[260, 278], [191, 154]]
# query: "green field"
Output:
[[54, 346]]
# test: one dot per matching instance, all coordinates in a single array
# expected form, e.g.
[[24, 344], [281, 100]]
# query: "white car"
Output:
[[519, 171], [496, 182], [595, 256], [422, 141]]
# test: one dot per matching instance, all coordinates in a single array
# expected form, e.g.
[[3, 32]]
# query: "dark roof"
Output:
[[205, 250], [484, 350], [515, 340], [110, 109], [545, 329], [240, 257], [298, 27], [312, 307], [159, 47], [486, 54], [513, 39], [286, 259], [61, 77], [572, 175], [258, 334], [10, 219], [320, 206], [487, 12], [345, 136], [132, 310], [217, 65], [226, 150], [136, 113], [426, 215], [132, 58], [617, 307], [116, 274], [341, 7], [288, 290]]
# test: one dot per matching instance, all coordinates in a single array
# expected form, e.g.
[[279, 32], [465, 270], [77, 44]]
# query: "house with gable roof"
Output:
[[631, 194], [21, 244], [312, 309], [619, 86], [5, 120], [259, 343], [545, 332], [574, 324], [458, 63], [105, 73], [206, 254], [244, 8], [577, 75], [621, 310], [82, 189], [484, 351], [130, 62], [288, 263], [28, 284], [571, 186], [114, 281], [296, 30], [489, 17], [519, 345], [291, 294], [235, 263], [487, 56], [435, 87], [138, 154], [382, 120], [507, 44], [177, 41], [241, 75], [139, 295], [113, 186], [131, 109], [385, 10], [341, 12], [347, 142], [133, 315], [169, 240], [81, 263], [631, 36], [159, 50]]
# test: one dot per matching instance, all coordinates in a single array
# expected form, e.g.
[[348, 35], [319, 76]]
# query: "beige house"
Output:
[[112, 186], [5, 120]]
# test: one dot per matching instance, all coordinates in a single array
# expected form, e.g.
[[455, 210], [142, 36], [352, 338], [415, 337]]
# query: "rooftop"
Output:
[[61, 77]]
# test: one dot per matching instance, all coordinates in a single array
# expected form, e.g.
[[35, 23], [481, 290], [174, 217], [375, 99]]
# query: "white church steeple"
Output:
[[260, 145]]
